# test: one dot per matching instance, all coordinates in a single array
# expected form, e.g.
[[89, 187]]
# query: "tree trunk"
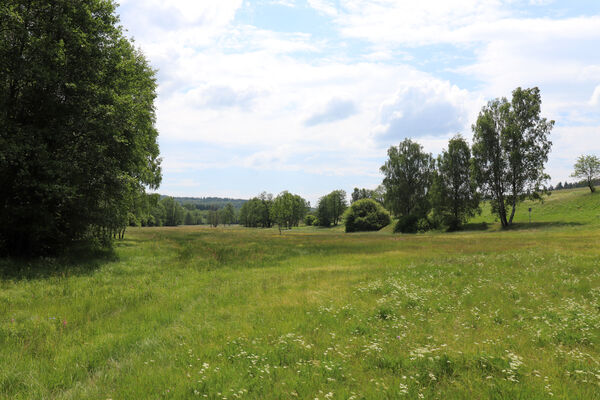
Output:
[[512, 213], [502, 212]]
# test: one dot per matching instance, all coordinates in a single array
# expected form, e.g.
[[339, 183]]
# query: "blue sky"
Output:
[[308, 95]]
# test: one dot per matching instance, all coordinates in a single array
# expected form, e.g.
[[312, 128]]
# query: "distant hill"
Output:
[[210, 203]]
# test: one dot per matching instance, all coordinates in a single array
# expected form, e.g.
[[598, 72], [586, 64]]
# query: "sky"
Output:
[[308, 95]]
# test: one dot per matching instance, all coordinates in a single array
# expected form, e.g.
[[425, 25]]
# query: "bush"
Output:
[[424, 225], [413, 224], [366, 215], [406, 224], [310, 220]]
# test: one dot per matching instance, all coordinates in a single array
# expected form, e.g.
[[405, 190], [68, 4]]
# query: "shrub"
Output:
[[423, 225], [310, 220], [366, 215], [406, 224]]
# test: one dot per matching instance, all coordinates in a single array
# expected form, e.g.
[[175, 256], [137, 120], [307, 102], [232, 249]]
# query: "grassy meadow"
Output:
[[233, 313]]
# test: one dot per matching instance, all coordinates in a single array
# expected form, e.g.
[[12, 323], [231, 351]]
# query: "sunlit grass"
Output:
[[247, 313]]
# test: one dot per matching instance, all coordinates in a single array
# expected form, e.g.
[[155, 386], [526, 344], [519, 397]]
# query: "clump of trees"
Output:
[[256, 212], [286, 210], [504, 166], [587, 168], [377, 194], [331, 207], [78, 143], [366, 215]]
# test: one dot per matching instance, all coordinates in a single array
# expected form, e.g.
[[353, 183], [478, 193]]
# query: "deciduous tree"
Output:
[[77, 135], [407, 178], [454, 194], [587, 167], [510, 149]]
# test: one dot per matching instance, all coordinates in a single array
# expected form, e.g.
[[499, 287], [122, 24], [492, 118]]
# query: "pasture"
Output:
[[230, 313]]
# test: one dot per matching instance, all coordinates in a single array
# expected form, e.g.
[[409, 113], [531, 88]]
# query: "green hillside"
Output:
[[567, 207]]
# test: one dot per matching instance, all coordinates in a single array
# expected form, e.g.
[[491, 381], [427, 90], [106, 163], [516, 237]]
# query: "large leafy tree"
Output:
[[454, 195], [407, 179], [587, 167], [510, 148], [77, 136]]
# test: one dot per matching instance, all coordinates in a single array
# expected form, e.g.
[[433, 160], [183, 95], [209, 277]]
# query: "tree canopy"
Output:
[[77, 137], [407, 179], [454, 194], [510, 149], [288, 210], [256, 212], [331, 207]]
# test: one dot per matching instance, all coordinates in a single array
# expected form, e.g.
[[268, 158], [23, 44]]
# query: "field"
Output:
[[229, 313]]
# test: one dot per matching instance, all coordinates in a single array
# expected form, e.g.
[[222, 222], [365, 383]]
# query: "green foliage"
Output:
[[331, 208], [407, 179], [256, 212], [407, 224], [77, 137], [377, 194], [587, 167], [228, 214], [288, 210], [454, 194], [174, 212], [510, 148], [310, 220], [366, 215], [209, 203]]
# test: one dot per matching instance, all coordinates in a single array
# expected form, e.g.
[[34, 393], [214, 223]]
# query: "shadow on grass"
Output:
[[519, 226], [483, 226], [77, 261]]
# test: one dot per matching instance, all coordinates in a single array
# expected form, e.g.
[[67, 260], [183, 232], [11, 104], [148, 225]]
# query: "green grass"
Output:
[[196, 312]]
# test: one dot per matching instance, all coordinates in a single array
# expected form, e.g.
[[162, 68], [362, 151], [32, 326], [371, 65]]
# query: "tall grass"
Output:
[[239, 313]]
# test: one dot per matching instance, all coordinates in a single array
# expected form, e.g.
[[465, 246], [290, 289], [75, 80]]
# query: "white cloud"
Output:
[[295, 103], [595, 99], [430, 108], [335, 110]]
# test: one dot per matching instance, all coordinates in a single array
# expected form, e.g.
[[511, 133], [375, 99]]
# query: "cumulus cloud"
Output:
[[227, 84], [421, 109], [335, 110]]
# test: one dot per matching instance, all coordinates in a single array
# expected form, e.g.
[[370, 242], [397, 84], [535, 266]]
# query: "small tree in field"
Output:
[[510, 148], [587, 168]]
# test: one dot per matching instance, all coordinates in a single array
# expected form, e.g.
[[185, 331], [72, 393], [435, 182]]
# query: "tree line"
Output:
[[286, 210]]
